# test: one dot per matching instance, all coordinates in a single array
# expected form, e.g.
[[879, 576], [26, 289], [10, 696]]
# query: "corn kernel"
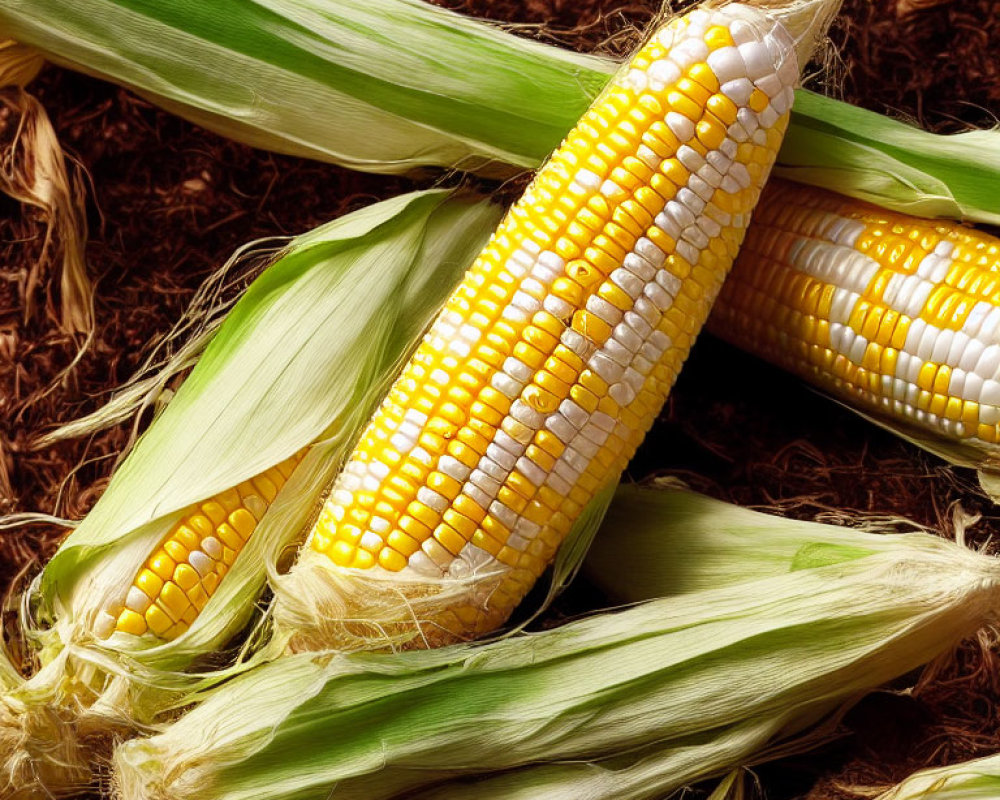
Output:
[[131, 622]]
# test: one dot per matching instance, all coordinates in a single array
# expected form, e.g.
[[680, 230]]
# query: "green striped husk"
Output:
[[633, 565], [378, 85], [624, 705], [393, 85]]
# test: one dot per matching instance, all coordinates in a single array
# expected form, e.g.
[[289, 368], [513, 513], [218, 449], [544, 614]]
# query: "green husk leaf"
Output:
[[378, 85], [390, 85], [722, 543], [894, 165], [978, 779], [622, 705], [302, 358]]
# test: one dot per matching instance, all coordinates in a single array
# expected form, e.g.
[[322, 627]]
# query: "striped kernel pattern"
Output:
[[540, 377], [897, 314], [182, 574]]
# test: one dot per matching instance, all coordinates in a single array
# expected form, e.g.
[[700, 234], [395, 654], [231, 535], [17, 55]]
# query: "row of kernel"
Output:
[[908, 381], [543, 187], [591, 433], [183, 573], [453, 533], [617, 311]]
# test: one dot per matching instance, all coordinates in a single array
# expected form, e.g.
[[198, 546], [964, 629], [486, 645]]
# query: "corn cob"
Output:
[[896, 314], [540, 377], [178, 579]]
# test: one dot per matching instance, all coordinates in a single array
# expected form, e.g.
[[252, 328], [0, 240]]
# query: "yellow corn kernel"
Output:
[[157, 622], [185, 577], [173, 600], [131, 622]]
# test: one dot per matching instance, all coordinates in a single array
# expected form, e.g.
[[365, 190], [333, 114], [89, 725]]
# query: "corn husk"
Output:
[[379, 85], [393, 85], [978, 779], [633, 565], [627, 704], [18, 64], [894, 165], [9, 675], [302, 358]]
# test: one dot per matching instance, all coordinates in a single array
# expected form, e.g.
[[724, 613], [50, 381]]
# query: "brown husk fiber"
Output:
[[167, 203]]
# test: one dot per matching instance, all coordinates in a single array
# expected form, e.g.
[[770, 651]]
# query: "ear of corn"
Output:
[[352, 81], [894, 315], [538, 380], [182, 574], [686, 686], [312, 343], [179, 466]]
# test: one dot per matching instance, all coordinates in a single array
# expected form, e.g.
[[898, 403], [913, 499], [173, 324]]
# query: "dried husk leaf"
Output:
[[34, 171], [628, 704]]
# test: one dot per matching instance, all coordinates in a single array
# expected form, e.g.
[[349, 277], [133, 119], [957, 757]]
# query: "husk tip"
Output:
[[41, 754]]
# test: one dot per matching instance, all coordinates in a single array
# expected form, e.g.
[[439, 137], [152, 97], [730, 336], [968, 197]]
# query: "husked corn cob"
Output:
[[541, 375], [182, 574], [897, 314]]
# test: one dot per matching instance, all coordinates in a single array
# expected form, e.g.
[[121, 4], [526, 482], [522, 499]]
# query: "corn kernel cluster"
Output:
[[899, 314], [540, 377], [182, 574]]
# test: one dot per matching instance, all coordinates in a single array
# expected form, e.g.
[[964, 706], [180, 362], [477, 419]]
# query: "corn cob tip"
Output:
[[366, 610], [805, 21]]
